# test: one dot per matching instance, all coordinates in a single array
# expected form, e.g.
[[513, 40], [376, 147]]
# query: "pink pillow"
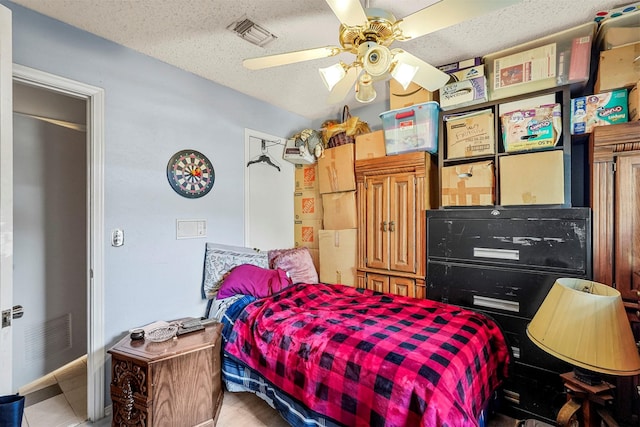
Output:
[[296, 262], [248, 279]]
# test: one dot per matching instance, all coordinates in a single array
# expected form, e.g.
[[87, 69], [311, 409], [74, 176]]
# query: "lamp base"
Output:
[[586, 376]]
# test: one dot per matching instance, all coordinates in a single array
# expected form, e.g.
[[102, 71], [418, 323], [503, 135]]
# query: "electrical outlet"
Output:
[[117, 237]]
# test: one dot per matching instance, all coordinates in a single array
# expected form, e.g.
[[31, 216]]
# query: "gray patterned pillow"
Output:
[[220, 259]]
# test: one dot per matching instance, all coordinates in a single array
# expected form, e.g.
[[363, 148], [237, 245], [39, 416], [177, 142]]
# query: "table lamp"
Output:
[[585, 324]]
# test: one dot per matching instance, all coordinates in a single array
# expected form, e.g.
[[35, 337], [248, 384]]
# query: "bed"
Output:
[[332, 355]]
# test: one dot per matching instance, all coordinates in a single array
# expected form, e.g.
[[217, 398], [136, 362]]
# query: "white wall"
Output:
[[152, 111]]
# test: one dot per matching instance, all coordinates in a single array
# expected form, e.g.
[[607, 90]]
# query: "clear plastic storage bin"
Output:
[[413, 128]]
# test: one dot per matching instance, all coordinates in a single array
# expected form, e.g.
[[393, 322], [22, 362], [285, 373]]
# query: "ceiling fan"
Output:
[[368, 34]]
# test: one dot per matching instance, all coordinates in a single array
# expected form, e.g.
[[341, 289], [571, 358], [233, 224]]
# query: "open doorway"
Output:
[[65, 210], [50, 245]]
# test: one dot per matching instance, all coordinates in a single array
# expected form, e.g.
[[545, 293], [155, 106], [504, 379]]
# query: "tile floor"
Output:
[[60, 400]]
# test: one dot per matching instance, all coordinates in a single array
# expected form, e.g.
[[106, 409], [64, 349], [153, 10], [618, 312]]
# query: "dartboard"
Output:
[[190, 173]]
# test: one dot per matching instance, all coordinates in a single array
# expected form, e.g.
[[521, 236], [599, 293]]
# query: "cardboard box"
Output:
[[600, 109], [464, 93], [305, 233], [340, 210], [400, 97], [457, 66], [532, 179], [336, 169], [413, 128], [470, 135], [531, 128], [634, 103], [469, 184], [307, 204], [620, 36], [370, 146], [315, 256], [338, 256], [468, 73], [306, 177], [618, 68]]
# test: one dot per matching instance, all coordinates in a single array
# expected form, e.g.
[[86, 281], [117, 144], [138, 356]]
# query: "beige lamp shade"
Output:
[[584, 323]]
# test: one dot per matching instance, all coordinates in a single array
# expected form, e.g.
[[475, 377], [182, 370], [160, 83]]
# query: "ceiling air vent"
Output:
[[251, 32]]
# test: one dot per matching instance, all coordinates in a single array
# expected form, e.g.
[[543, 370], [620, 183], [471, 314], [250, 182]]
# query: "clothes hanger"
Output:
[[264, 158]]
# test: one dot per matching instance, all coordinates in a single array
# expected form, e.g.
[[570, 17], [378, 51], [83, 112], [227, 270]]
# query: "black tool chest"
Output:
[[503, 263]]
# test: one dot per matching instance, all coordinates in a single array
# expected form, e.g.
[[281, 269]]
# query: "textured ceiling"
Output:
[[193, 35]]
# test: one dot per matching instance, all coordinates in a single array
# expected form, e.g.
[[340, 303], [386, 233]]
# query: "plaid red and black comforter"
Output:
[[371, 359]]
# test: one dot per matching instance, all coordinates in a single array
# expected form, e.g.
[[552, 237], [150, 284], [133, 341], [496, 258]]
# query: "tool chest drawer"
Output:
[[544, 239]]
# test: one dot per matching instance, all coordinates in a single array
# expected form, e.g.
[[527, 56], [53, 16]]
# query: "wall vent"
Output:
[[251, 32], [48, 338]]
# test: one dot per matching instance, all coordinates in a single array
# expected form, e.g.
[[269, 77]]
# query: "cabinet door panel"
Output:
[[627, 249], [402, 286], [402, 223], [378, 283], [377, 223]]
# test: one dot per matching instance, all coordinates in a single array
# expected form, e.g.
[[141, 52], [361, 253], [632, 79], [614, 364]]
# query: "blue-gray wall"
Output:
[[152, 111]]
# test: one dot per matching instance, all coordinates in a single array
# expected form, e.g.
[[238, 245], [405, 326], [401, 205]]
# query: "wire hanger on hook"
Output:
[[264, 157]]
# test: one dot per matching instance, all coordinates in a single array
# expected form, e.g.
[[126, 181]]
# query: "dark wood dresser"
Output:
[[503, 262], [171, 383]]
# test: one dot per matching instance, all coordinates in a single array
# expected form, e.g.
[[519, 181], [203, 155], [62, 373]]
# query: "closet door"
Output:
[[377, 209], [627, 242], [402, 222]]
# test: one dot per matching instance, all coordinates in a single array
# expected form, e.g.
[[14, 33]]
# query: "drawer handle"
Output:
[[511, 254], [512, 396], [516, 352], [500, 304]]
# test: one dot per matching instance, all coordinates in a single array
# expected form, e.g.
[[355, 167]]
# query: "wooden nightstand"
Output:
[[591, 401], [172, 383]]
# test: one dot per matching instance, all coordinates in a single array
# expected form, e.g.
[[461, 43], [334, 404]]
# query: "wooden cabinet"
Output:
[[392, 195], [171, 383], [614, 159]]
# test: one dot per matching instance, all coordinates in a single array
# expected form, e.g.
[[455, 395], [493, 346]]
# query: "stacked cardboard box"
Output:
[[337, 239], [308, 210]]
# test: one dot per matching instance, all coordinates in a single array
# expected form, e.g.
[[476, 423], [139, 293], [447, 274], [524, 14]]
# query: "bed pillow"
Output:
[[296, 262], [220, 259], [252, 280]]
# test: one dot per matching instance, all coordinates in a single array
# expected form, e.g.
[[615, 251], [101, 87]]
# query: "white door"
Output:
[[6, 200], [268, 193]]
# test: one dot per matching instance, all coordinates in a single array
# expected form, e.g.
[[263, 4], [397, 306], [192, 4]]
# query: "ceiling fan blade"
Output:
[[342, 88], [291, 57], [446, 13], [427, 76], [349, 12]]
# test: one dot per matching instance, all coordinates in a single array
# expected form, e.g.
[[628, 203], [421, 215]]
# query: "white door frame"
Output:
[[94, 97], [6, 197]]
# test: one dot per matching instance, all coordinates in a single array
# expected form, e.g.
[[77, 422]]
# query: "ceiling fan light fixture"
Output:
[[332, 75], [365, 92], [403, 73]]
